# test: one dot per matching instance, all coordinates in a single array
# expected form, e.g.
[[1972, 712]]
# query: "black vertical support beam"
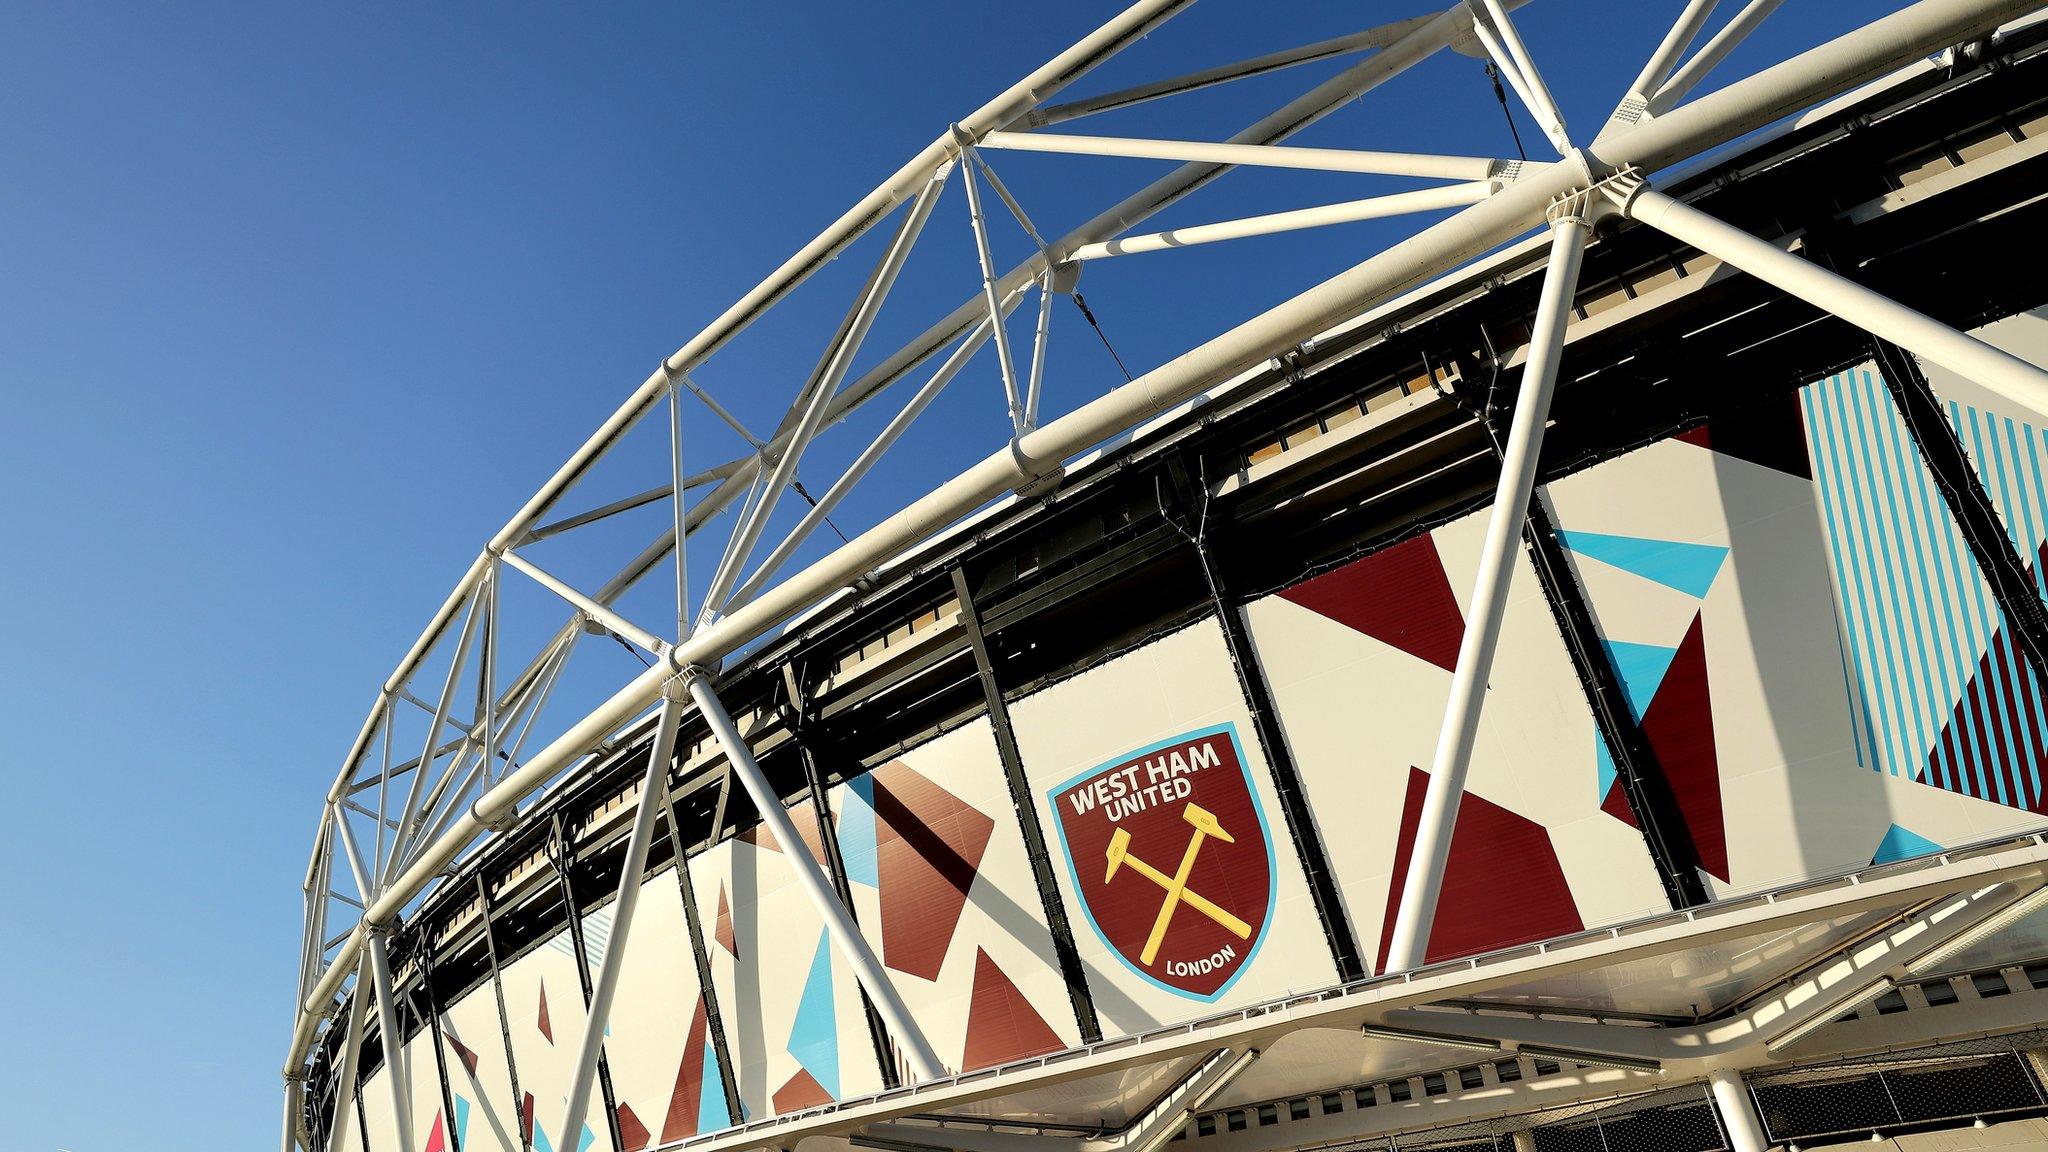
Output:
[[700, 952], [483, 895], [433, 1033], [362, 1117], [1258, 699], [803, 736], [1649, 793], [1056, 921], [560, 855], [1941, 448]]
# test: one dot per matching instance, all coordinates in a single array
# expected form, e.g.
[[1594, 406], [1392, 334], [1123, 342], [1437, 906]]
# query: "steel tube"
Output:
[[846, 937], [862, 463], [1251, 155], [834, 371], [991, 297], [1673, 46], [1737, 1110], [1036, 385], [1377, 37], [1545, 108], [1694, 70], [590, 607], [392, 1039], [653, 783], [1995, 369], [1349, 212], [1826, 71], [351, 1052], [1488, 603]]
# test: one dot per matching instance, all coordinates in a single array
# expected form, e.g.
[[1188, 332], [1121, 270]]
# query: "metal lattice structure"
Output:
[[396, 820]]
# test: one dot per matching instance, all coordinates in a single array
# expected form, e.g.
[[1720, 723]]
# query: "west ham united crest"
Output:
[[1169, 851]]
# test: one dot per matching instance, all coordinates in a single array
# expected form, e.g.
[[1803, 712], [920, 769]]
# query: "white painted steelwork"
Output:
[[458, 792]]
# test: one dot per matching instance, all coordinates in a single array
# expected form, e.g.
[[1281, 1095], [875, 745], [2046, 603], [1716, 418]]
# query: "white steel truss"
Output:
[[473, 771]]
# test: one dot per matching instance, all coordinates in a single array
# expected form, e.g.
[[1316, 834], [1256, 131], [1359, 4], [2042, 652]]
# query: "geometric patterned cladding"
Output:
[[943, 891], [1814, 696], [1807, 645], [1168, 691], [1359, 661], [792, 1009]]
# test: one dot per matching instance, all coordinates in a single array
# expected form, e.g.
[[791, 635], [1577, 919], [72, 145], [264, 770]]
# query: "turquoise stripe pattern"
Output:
[[1939, 693]]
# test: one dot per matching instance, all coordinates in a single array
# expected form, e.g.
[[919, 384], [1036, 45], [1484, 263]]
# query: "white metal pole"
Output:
[[596, 611], [1672, 47], [992, 297], [2000, 371], [1038, 342], [351, 1052], [1322, 216], [653, 786], [852, 946], [1489, 594], [1694, 70], [1544, 108], [1251, 155], [294, 1090], [392, 1038], [1737, 1110], [679, 512], [841, 358], [861, 464]]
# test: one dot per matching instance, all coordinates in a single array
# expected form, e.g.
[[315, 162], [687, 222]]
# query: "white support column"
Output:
[[390, 1036], [653, 786], [846, 937], [351, 1052], [1525, 1139], [1694, 70], [1410, 942], [1321, 216], [1966, 356], [1737, 1111], [992, 297], [294, 1092]]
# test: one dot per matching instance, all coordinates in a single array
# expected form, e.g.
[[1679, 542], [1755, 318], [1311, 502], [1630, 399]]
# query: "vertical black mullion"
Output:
[[1941, 449], [1301, 823], [1649, 792], [700, 953], [803, 736], [362, 1117], [1061, 929], [574, 911], [434, 1036], [483, 895]]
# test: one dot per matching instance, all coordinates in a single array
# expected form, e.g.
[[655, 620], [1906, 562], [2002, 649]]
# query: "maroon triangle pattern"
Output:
[[806, 821], [633, 1134], [1400, 596], [526, 1117], [1979, 739], [721, 930], [1679, 725], [462, 1051], [546, 1029], [801, 1092], [688, 1094], [928, 844], [1502, 885], [1001, 1024]]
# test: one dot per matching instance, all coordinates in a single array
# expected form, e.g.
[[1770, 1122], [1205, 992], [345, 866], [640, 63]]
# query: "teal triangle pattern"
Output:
[[461, 1120], [1642, 668], [857, 845], [1604, 761], [712, 1113], [814, 1037], [1902, 844], [1689, 568]]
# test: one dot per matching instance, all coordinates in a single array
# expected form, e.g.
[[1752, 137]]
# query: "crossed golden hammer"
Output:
[[1177, 890]]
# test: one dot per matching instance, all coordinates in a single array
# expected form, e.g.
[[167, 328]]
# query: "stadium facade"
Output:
[[1587, 690]]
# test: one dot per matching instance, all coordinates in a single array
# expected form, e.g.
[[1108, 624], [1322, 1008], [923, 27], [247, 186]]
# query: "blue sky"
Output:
[[298, 303]]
